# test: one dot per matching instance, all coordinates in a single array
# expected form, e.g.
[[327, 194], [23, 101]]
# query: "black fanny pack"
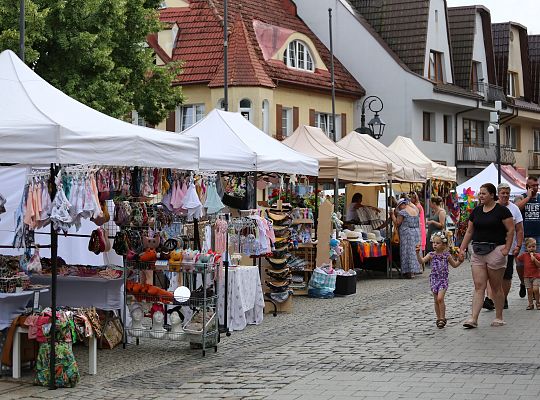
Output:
[[483, 248]]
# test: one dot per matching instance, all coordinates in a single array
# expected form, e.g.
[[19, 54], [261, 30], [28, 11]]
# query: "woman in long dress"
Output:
[[407, 220]]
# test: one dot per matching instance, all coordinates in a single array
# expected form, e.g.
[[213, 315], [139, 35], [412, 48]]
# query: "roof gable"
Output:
[[461, 21], [402, 24], [534, 62], [246, 70], [200, 46]]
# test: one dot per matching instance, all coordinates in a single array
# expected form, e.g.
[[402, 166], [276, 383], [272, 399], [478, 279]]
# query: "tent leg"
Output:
[[54, 268], [390, 250], [316, 212]]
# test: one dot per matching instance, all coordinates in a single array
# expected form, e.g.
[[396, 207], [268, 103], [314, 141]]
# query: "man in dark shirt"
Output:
[[530, 209]]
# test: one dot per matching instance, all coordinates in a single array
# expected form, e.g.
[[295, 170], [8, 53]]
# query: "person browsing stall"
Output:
[[530, 209], [491, 229], [360, 214]]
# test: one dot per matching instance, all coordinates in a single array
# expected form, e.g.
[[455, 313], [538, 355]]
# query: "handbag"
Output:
[[483, 248]]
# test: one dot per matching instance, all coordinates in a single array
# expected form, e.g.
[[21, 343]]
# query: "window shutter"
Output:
[[170, 123], [311, 117], [295, 122], [279, 125], [343, 125]]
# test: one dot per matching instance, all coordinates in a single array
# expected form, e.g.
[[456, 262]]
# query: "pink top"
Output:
[[422, 226]]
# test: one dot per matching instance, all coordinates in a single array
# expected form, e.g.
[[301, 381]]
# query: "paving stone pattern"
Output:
[[380, 343]]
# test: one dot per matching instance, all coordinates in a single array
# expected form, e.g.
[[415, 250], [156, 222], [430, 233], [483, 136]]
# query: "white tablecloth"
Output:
[[246, 299], [12, 305], [75, 291]]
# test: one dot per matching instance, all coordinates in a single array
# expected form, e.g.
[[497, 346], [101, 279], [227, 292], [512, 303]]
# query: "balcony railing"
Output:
[[534, 159], [484, 153], [490, 92]]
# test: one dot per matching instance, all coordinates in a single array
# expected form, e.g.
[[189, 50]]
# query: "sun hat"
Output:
[[402, 201]]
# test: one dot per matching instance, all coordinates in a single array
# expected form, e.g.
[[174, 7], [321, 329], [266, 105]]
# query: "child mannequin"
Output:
[[439, 258]]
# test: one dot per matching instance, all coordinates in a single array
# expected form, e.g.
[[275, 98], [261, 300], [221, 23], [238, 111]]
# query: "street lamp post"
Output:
[[494, 127], [375, 126]]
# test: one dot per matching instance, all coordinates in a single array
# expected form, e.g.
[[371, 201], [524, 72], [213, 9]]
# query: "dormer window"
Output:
[[297, 55]]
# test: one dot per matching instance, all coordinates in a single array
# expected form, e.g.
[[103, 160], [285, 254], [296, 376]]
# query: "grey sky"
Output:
[[525, 12]]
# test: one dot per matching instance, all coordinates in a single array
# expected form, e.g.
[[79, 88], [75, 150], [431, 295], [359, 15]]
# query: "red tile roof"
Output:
[[200, 46], [245, 68]]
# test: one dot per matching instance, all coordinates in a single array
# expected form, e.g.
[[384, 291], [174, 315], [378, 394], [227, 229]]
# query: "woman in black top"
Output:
[[491, 229]]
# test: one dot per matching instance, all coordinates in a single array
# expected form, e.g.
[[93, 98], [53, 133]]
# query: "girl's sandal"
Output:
[[498, 322], [441, 323], [530, 307]]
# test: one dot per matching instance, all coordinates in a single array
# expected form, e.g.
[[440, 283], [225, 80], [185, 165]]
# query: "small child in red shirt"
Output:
[[531, 273]]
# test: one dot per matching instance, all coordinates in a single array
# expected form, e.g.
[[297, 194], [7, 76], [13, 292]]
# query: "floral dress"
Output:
[[409, 237], [66, 368], [438, 278]]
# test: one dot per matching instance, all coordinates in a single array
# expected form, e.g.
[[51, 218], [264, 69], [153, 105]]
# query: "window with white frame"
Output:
[[297, 55], [187, 115], [536, 138], [245, 109], [511, 89], [511, 136], [324, 121], [266, 116], [286, 121]]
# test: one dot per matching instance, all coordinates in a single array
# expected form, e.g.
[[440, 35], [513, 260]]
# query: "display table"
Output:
[[12, 305], [245, 298], [369, 255], [16, 369], [76, 291]]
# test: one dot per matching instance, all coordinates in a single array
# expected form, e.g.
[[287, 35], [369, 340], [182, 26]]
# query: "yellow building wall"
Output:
[[514, 60], [527, 122], [304, 100]]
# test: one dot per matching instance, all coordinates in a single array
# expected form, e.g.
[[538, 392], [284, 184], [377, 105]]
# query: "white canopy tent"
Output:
[[488, 175], [366, 146], [335, 162], [406, 148], [41, 125], [229, 142]]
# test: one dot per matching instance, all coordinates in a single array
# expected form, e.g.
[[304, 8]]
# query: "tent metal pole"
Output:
[[54, 269], [388, 258], [225, 56], [391, 252], [316, 212], [22, 28]]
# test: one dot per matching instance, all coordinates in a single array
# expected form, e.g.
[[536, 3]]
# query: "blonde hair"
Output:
[[442, 235], [529, 241]]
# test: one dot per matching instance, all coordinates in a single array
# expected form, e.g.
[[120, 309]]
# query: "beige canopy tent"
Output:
[[366, 146], [335, 162], [408, 150]]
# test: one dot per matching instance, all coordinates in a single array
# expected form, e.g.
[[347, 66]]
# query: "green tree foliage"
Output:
[[96, 52]]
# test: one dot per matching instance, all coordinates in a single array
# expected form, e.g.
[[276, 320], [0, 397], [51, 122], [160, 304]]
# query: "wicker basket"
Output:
[[8, 285]]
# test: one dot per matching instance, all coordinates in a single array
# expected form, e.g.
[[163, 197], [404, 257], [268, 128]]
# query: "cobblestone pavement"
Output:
[[380, 343]]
